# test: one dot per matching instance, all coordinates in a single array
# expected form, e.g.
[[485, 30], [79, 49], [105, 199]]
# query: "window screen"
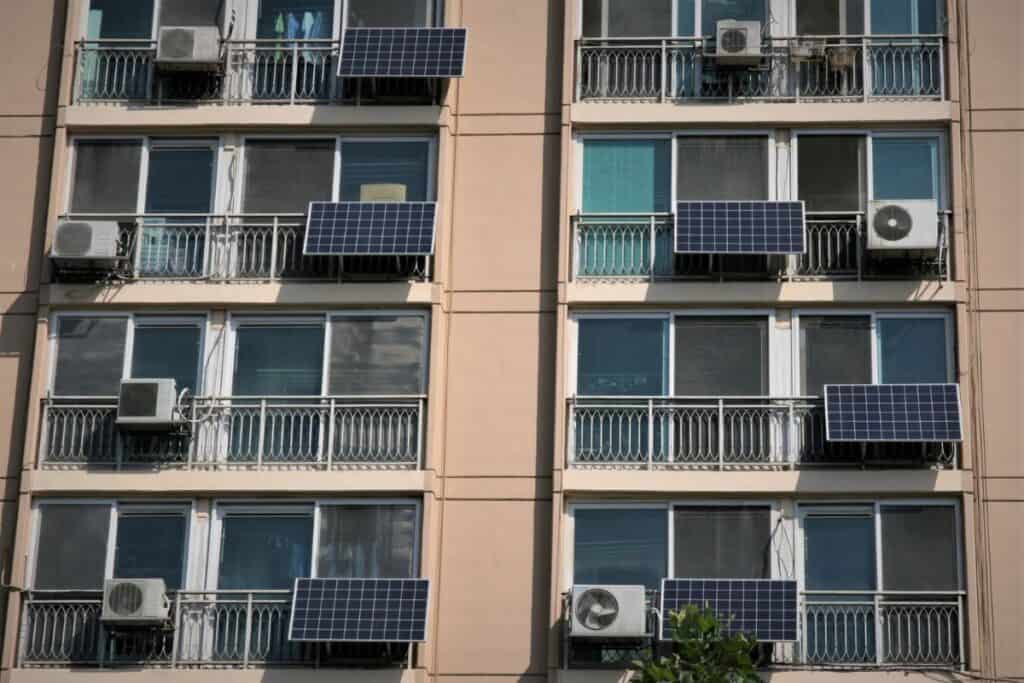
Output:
[[713, 168], [375, 13], [151, 546], [829, 17], [279, 360], [295, 19], [830, 169], [723, 542], [912, 350], [106, 177], [626, 176], [72, 547], [190, 12], [180, 180], [284, 176], [384, 171], [380, 355], [719, 356], [622, 357], [125, 19], [168, 351], [742, 10], [919, 548], [905, 168], [264, 551], [834, 350], [619, 546], [367, 541], [839, 552], [90, 356]]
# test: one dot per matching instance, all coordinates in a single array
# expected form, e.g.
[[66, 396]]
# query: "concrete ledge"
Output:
[[783, 676], [282, 675]]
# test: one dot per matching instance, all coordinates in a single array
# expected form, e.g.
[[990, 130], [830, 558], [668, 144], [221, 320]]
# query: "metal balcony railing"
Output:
[[255, 72], [240, 248], [716, 432], [801, 68], [241, 432], [609, 247]]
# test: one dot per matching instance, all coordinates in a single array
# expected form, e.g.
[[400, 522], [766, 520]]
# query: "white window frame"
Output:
[[673, 31], [435, 17]]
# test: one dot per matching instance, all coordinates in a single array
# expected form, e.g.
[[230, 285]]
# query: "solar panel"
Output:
[[763, 608], [359, 610], [403, 52], [370, 228], [892, 412], [740, 228]]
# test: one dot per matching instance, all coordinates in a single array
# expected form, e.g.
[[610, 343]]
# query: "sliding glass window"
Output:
[[620, 546], [622, 357], [721, 356]]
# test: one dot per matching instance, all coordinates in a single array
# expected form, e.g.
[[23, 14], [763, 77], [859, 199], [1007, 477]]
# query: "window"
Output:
[[284, 176], [721, 356], [722, 542], [71, 546], [713, 11], [280, 359], [905, 16], [151, 545], [168, 349], [836, 350], [190, 12], [369, 541], [913, 350], [119, 19], [382, 355], [627, 18], [919, 548], [384, 171], [180, 178], [375, 13], [829, 17], [712, 168], [622, 357], [626, 176], [830, 171], [295, 19], [906, 168], [839, 551], [264, 550], [106, 176], [620, 546]]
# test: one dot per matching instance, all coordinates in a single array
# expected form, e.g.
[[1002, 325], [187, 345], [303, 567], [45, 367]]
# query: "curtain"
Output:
[[90, 356], [377, 355], [723, 542]]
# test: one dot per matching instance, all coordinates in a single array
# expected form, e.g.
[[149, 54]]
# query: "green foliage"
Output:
[[702, 652]]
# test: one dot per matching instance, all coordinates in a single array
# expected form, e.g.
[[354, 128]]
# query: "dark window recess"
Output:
[[719, 542], [919, 548], [388, 13], [90, 356], [72, 547], [106, 176], [285, 176], [830, 169], [191, 12], [721, 356], [151, 546], [713, 168], [834, 350]]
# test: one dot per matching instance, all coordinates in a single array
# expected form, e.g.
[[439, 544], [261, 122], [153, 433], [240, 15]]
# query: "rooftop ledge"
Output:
[[745, 113]]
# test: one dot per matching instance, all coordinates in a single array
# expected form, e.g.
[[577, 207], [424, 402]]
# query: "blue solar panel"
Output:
[[754, 227], [892, 412], [359, 610], [370, 228], [403, 53], [763, 608]]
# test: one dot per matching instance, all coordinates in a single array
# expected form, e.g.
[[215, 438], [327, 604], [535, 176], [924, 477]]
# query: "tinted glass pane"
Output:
[[620, 547], [722, 168], [106, 177], [295, 19], [721, 356], [90, 356], [622, 357], [839, 553], [72, 546], [834, 350], [626, 176], [825, 17], [377, 355], [109, 19], [264, 551], [723, 542], [741, 10], [686, 17], [151, 547], [388, 12], [167, 351], [830, 172], [180, 180], [384, 171], [919, 548], [905, 168], [367, 541], [904, 16], [285, 176], [640, 18], [190, 12], [912, 350], [279, 360]]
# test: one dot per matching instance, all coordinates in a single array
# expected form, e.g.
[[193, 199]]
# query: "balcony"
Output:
[[804, 68], [333, 432], [238, 248], [216, 629], [256, 72], [725, 433], [618, 247]]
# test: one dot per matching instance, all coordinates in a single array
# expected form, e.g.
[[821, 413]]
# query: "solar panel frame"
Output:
[[414, 632], [784, 630], [370, 233], [403, 52], [715, 227], [849, 422]]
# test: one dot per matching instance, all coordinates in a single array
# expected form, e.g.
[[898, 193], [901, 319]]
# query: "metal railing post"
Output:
[[44, 434], [579, 70], [295, 72], [653, 256], [789, 438], [879, 658], [861, 246], [961, 654], [664, 76], [175, 641], [942, 69], [206, 245], [420, 415], [721, 434], [275, 229], [866, 67], [330, 432], [248, 630], [570, 442], [804, 631], [650, 434], [262, 435]]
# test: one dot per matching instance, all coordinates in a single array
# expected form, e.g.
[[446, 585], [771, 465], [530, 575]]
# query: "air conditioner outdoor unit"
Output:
[[899, 224], [148, 405], [738, 42], [188, 48], [86, 244], [609, 612], [135, 602]]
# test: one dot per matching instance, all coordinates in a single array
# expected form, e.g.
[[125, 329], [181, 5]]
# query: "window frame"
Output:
[[698, 16], [435, 18], [170, 319]]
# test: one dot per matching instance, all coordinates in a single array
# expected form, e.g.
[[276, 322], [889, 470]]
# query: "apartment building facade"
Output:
[[553, 369]]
